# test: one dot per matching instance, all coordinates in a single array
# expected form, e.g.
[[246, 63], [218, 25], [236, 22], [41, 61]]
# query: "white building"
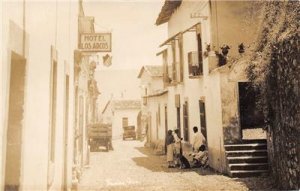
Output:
[[154, 98], [121, 113], [36, 131], [206, 86], [182, 65]]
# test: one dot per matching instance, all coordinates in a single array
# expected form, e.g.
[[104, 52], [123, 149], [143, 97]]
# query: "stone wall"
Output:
[[274, 68], [283, 104]]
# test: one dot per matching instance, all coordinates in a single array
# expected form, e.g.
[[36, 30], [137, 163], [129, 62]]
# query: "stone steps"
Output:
[[252, 152], [247, 173], [246, 146], [248, 166], [246, 159]]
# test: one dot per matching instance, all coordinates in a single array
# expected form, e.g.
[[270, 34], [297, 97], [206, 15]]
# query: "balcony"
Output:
[[195, 64]]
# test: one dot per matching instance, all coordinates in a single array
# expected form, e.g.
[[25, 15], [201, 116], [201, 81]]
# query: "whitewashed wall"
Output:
[[117, 128], [45, 23]]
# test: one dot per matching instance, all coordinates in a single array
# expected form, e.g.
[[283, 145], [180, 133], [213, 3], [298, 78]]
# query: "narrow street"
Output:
[[131, 166]]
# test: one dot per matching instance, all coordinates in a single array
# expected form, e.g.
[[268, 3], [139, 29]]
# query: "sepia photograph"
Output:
[[149, 95]]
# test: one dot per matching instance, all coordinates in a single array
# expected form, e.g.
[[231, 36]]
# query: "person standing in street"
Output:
[[177, 147], [170, 149], [198, 139]]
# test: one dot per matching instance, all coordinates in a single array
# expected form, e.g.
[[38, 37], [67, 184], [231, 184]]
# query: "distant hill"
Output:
[[121, 84]]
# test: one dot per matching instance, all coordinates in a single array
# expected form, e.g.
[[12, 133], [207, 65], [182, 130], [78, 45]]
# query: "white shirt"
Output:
[[198, 140], [176, 138]]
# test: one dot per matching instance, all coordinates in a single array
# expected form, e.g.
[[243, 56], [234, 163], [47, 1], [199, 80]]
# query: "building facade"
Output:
[[154, 102], [85, 97], [205, 75], [121, 113], [36, 94]]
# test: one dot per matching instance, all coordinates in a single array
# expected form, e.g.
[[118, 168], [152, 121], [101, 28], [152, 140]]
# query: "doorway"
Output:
[[124, 121], [15, 122], [65, 132], [166, 127], [149, 130], [139, 125], [251, 115], [203, 118], [185, 122]]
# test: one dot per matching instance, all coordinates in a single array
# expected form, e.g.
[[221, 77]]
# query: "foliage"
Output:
[[281, 20]]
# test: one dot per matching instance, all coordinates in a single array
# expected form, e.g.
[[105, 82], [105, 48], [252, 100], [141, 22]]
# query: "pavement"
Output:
[[131, 166]]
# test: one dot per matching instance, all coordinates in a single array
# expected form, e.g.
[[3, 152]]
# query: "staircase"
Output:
[[247, 159]]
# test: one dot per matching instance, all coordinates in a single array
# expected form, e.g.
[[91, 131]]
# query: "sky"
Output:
[[135, 37]]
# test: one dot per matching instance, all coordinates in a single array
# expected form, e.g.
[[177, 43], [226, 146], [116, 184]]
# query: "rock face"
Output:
[[283, 101]]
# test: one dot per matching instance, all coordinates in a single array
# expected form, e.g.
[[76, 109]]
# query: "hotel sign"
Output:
[[95, 42]]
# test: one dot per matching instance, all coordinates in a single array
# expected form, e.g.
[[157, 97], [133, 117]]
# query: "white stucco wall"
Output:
[[131, 114], [213, 112], [233, 24], [156, 128], [46, 24], [190, 90]]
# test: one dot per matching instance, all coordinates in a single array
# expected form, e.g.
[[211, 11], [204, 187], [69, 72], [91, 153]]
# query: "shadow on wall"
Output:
[[232, 131]]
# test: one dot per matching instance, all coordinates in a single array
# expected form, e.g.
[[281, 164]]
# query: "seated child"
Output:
[[200, 159]]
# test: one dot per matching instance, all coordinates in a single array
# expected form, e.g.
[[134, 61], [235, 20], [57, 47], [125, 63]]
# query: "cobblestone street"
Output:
[[133, 167]]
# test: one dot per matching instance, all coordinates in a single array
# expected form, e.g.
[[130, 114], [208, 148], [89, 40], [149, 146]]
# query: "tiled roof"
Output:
[[154, 71], [127, 104], [167, 10]]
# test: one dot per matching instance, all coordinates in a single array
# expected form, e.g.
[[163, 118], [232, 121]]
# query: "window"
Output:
[[180, 46], [166, 125], [53, 97], [158, 111], [80, 133], [145, 96], [157, 120], [174, 75], [202, 118], [177, 105], [52, 116], [193, 62], [124, 121], [195, 59], [166, 76]]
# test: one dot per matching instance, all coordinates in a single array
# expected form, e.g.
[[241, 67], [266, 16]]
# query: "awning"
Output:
[[190, 29], [158, 93], [161, 52], [170, 39]]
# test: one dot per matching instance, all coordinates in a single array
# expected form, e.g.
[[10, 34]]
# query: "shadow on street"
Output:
[[159, 164]]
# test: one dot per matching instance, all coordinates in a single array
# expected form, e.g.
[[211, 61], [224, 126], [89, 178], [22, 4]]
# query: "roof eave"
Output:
[[167, 10]]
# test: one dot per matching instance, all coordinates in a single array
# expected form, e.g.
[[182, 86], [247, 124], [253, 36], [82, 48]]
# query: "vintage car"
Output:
[[129, 132]]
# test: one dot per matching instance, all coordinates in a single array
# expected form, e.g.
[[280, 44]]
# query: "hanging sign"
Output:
[[107, 60], [95, 42]]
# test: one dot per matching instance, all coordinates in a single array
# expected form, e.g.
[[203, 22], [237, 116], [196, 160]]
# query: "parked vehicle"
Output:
[[129, 132], [100, 135]]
